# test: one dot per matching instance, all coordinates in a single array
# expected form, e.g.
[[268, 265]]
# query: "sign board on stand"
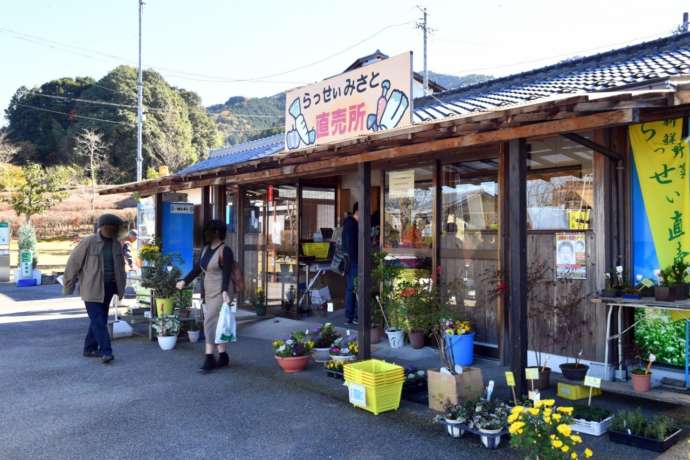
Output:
[[26, 264], [4, 251]]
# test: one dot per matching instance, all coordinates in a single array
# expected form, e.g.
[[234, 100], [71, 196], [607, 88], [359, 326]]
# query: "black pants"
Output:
[[98, 338]]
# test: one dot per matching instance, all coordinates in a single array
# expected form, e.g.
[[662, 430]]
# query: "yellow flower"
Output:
[[576, 439], [547, 411], [547, 419], [566, 410], [557, 417], [573, 456], [552, 437], [565, 448], [533, 411], [557, 444], [588, 452], [517, 409], [516, 427], [449, 331], [564, 429], [513, 417]]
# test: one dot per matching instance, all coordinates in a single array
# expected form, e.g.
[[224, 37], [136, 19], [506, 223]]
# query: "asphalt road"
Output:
[[153, 404]]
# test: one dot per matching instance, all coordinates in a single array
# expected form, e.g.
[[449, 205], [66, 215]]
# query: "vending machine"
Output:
[[177, 227]]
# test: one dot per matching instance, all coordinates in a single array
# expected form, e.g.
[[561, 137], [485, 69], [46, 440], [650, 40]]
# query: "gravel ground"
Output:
[[153, 404]]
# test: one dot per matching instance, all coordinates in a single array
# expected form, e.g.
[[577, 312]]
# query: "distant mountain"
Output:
[[241, 118]]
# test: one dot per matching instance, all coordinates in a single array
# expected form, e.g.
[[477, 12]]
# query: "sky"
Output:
[[208, 45]]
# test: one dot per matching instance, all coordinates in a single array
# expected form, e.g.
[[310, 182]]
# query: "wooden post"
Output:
[[364, 262], [516, 253]]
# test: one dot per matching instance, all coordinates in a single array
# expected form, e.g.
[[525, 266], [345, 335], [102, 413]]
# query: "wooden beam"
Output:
[[578, 139], [364, 262], [516, 251]]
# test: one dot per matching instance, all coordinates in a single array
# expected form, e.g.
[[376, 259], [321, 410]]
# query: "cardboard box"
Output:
[[454, 388]]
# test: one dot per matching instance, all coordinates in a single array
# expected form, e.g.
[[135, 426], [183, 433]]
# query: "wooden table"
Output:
[[646, 302]]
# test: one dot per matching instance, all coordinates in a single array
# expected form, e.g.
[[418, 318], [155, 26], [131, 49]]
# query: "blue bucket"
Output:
[[461, 348]]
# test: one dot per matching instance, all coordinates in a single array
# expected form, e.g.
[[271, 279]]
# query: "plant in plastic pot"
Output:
[[416, 303], [632, 427], [162, 277], [344, 349], [323, 337], [459, 338], [490, 418], [166, 327], [455, 417], [294, 352], [193, 332], [642, 376]]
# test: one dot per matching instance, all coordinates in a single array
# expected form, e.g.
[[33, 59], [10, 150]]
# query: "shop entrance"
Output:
[[468, 248]]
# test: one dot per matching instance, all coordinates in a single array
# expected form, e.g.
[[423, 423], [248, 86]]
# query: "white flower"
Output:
[[289, 342], [281, 349], [657, 273], [652, 358], [619, 269]]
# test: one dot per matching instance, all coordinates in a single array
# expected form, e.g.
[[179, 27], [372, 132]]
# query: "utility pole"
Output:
[[425, 31], [140, 103]]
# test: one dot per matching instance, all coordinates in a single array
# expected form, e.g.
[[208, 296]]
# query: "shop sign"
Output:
[[26, 264], [372, 98], [571, 256], [4, 233], [181, 208], [401, 184]]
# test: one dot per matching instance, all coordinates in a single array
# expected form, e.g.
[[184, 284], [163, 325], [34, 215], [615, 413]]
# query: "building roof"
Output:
[[632, 66], [637, 66]]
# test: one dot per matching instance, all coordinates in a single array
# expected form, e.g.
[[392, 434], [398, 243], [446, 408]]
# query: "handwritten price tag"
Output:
[[592, 382], [510, 379], [532, 373]]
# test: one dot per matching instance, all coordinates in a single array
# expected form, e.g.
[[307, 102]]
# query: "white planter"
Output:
[[592, 428], [193, 336], [490, 438], [167, 343], [320, 355], [454, 428], [396, 338], [343, 358]]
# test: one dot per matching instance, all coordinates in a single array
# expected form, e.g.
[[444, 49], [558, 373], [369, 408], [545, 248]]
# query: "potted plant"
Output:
[[612, 288], [677, 275], [193, 332], [544, 432], [162, 278], [414, 301], [662, 292], [490, 419], [633, 428], [590, 420], [182, 302], [344, 349], [459, 338], [335, 369], [455, 417], [167, 327], [148, 254], [642, 376], [383, 275], [258, 301], [323, 338], [574, 371], [293, 353], [631, 293]]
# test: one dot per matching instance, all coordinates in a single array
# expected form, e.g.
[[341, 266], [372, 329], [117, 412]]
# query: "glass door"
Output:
[[469, 244], [254, 208], [281, 266]]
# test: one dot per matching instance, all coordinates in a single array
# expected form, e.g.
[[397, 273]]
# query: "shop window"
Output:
[[559, 185], [318, 212], [409, 208]]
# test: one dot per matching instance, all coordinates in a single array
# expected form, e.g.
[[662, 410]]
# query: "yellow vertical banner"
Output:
[[661, 156]]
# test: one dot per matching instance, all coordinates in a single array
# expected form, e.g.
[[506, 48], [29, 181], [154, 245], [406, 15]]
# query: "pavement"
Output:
[[153, 404]]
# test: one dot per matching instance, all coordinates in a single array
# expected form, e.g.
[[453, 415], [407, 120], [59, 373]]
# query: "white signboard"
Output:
[[181, 208], [4, 233], [401, 184]]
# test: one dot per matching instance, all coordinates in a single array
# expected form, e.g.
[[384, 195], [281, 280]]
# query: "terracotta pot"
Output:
[[376, 334], [416, 339], [293, 364], [572, 372], [642, 383]]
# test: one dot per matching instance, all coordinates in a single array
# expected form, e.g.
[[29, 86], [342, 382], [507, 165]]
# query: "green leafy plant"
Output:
[[591, 413], [462, 412], [166, 326], [634, 422], [27, 241], [490, 415], [656, 333], [678, 272], [162, 276]]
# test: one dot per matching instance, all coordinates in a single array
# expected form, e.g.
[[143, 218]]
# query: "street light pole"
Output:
[[140, 104]]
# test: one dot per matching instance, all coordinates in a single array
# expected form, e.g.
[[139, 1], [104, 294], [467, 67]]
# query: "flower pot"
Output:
[[416, 339], [183, 313], [343, 358], [293, 364], [663, 294], [376, 333], [320, 355], [454, 428], [572, 371], [544, 381], [679, 291], [645, 443], [631, 296], [491, 439], [610, 293], [641, 383], [461, 348], [396, 338], [164, 306], [260, 310], [167, 342], [193, 336]]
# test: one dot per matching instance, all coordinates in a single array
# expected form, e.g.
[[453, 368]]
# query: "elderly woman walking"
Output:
[[216, 266]]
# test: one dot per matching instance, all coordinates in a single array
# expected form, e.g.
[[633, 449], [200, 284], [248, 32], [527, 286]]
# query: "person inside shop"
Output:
[[128, 249], [97, 263], [216, 266], [350, 241]]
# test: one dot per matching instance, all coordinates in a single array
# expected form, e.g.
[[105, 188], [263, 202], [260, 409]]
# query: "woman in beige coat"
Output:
[[216, 265]]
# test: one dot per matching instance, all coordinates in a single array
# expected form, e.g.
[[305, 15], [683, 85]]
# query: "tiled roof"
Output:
[[239, 153], [634, 65]]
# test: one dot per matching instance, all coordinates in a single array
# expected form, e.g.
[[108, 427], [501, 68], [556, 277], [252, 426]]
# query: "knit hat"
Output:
[[109, 219]]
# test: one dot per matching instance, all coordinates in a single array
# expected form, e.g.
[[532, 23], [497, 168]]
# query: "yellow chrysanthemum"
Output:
[[517, 409], [549, 402], [565, 448], [557, 444], [533, 411], [576, 439], [564, 429], [516, 427], [547, 419], [566, 410], [573, 456], [588, 452], [449, 331], [513, 417], [552, 437], [547, 411], [556, 417]]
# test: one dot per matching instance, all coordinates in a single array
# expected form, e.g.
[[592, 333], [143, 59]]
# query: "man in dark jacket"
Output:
[[351, 247], [97, 263]]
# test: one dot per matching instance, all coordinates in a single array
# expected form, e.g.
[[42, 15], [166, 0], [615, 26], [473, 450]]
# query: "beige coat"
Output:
[[85, 265]]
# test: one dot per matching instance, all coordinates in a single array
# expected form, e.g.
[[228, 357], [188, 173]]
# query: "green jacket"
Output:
[[85, 265]]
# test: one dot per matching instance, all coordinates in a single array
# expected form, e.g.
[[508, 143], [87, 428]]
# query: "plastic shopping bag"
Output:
[[226, 330]]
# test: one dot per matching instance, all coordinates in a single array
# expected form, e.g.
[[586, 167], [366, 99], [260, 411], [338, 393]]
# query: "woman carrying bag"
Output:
[[218, 267]]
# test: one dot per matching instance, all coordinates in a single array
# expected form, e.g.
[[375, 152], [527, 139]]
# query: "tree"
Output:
[[8, 150], [40, 191], [89, 145]]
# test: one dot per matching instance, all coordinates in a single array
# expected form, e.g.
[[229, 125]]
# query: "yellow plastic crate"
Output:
[[382, 398], [317, 250], [576, 392], [373, 371]]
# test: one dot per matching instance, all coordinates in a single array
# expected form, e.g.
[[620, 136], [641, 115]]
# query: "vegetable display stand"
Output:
[[382, 383], [645, 443]]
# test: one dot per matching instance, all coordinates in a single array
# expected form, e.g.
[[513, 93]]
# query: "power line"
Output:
[[33, 107]]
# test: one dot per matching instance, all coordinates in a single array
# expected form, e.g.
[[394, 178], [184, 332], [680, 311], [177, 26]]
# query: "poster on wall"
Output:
[[401, 184], [365, 100], [571, 256]]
